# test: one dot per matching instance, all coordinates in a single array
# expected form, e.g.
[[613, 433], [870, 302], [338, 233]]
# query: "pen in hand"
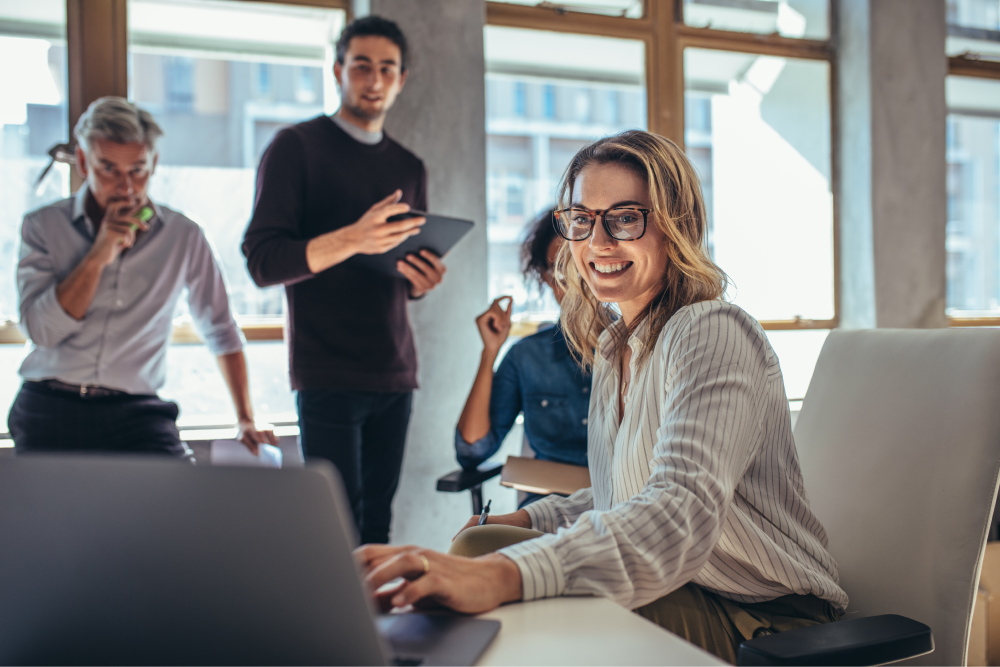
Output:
[[486, 513]]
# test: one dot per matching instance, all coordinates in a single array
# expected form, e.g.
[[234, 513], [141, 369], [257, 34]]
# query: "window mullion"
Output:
[[97, 56]]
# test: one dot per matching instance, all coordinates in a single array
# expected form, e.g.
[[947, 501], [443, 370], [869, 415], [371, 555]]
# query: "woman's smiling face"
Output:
[[629, 273]]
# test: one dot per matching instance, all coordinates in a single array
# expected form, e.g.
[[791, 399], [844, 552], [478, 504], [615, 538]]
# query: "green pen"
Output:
[[145, 214]]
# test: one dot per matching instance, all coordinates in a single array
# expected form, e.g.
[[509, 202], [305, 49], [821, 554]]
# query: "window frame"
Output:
[[963, 65], [665, 36], [97, 66]]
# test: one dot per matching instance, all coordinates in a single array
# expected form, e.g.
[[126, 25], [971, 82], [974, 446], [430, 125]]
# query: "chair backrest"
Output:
[[899, 442]]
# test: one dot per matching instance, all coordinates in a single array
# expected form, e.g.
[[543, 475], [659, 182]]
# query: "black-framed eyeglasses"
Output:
[[623, 223]]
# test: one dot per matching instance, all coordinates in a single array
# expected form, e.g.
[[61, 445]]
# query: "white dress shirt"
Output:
[[700, 483], [121, 342]]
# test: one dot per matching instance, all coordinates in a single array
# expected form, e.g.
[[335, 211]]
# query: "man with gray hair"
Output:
[[98, 278]]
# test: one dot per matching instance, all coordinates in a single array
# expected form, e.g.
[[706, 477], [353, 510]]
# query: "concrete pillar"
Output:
[[893, 198], [440, 115]]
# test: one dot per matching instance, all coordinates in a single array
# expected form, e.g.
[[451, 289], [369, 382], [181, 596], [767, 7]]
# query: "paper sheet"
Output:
[[235, 453]]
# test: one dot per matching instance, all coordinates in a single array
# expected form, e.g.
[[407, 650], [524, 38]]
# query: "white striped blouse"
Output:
[[700, 483]]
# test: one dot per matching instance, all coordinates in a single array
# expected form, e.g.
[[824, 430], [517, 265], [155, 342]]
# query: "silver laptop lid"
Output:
[[144, 561]]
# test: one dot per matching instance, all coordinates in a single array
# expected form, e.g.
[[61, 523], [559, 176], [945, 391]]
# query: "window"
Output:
[[228, 57], [735, 77], [758, 129], [794, 18], [973, 28], [32, 120], [178, 84], [540, 89], [972, 93], [973, 230], [234, 74]]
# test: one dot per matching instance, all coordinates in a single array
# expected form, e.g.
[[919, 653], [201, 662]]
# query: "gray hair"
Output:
[[118, 120]]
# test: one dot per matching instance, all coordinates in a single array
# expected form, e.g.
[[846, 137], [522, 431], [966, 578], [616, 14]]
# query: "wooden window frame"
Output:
[[665, 36], [97, 65], [978, 69], [97, 52]]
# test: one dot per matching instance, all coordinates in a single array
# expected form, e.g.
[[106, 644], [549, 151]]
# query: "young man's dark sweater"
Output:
[[348, 328]]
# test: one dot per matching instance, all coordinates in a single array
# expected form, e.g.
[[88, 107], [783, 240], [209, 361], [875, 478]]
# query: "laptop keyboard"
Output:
[[407, 662]]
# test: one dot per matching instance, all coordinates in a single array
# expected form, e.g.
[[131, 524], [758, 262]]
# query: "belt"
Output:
[[82, 390]]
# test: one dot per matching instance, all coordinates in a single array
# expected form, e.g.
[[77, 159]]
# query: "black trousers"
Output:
[[48, 420], [362, 434]]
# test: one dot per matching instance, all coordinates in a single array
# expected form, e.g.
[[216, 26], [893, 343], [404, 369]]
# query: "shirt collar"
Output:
[[607, 344], [358, 134]]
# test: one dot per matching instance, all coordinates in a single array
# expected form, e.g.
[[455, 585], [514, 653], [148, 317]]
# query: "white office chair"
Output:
[[899, 442]]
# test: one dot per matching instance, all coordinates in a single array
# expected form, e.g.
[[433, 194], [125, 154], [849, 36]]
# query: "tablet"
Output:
[[438, 235]]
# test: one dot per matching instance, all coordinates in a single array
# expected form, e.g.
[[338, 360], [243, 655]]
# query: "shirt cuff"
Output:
[[224, 341], [542, 574], [471, 454], [543, 517]]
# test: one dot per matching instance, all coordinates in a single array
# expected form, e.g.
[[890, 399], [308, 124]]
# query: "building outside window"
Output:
[[540, 89], [973, 154], [973, 230], [237, 72], [758, 131]]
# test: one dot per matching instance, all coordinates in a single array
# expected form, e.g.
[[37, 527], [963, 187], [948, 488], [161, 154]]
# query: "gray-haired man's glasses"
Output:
[[622, 224]]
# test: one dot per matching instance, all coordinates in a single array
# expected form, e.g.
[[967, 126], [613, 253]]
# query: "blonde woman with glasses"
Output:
[[697, 517]]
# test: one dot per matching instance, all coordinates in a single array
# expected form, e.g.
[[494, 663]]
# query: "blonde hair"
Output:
[[678, 211]]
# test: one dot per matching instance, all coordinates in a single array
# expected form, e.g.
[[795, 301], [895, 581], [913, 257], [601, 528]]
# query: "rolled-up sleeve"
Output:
[[43, 318], [208, 300], [659, 539]]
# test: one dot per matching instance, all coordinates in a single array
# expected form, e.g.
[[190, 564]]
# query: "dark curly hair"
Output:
[[535, 249], [374, 26]]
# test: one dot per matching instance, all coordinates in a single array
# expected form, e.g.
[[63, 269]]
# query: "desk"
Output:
[[584, 631]]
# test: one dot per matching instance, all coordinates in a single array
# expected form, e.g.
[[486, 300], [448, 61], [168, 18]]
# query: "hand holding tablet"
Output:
[[437, 236]]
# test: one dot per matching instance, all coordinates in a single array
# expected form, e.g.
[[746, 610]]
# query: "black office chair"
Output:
[[899, 443], [470, 480]]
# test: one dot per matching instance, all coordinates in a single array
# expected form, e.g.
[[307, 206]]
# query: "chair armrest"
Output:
[[462, 480], [874, 640]]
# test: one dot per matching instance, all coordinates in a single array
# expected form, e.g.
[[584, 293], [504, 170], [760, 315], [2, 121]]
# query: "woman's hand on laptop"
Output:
[[467, 585]]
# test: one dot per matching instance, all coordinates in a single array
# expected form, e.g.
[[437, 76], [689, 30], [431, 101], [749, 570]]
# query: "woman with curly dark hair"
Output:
[[538, 376]]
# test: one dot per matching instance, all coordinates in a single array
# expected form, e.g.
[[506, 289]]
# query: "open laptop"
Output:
[[143, 561]]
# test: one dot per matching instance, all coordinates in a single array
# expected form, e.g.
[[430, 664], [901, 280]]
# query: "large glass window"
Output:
[[973, 231], [758, 130], [547, 95], [973, 28], [32, 120], [791, 18], [222, 77]]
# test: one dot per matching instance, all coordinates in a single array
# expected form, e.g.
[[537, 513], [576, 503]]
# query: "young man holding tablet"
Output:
[[325, 189]]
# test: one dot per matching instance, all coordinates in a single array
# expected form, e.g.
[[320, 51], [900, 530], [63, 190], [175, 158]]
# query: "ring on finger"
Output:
[[427, 563]]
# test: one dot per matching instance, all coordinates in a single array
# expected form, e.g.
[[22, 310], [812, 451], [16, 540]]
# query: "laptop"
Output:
[[109, 560]]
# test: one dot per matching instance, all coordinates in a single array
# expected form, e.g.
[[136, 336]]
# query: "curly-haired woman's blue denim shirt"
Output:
[[539, 377]]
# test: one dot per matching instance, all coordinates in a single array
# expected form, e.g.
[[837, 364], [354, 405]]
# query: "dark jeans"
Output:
[[48, 420], [362, 434]]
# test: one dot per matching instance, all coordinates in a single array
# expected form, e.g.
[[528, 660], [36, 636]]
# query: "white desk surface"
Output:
[[584, 631]]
